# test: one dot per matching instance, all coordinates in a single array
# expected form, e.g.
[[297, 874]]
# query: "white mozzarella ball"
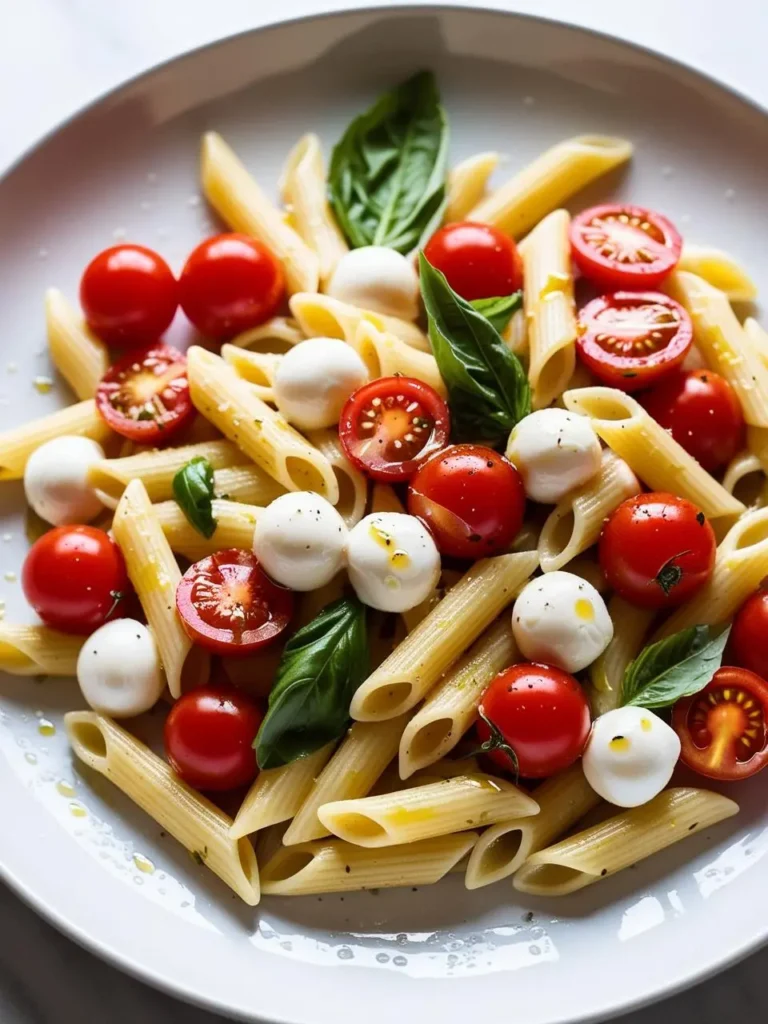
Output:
[[119, 669], [56, 480], [393, 562], [300, 540], [378, 279], [554, 451], [314, 379], [560, 619], [630, 756]]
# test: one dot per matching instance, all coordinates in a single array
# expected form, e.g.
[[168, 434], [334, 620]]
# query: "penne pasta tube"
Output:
[[467, 184], [31, 650], [758, 338], [246, 483], [258, 368], [745, 478], [77, 354], [352, 484], [276, 336], [235, 525], [320, 316], [386, 355], [630, 628], [720, 270], [18, 443]]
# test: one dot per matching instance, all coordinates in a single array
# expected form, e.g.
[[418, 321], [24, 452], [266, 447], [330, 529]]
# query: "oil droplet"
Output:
[[400, 961], [30, 758], [402, 816], [43, 385], [77, 810], [46, 728], [620, 744], [143, 863], [555, 283], [345, 953], [584, 610], [10, 576], [382, 958], [65, 788], [400, 559], [645, 724]]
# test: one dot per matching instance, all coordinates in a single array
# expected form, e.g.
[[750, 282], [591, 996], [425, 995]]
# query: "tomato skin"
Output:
[[230, 283], [129, 295], [713, 727], [71, 577], [209, 736], [471, 499], [542, 713], [747, 642], [619, 228], [479, 261], [701, 411], [650, 533]]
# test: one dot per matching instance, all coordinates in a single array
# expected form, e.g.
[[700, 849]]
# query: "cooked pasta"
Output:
[[325, 317], [468, 184], [353, 486], [77, 354], [18, 443], [719, 269], [386, 355], [258, 368], [235, 525], [246, 483], [630, 629], [758, 337], [745, 478], [37, 650], [275, 337]]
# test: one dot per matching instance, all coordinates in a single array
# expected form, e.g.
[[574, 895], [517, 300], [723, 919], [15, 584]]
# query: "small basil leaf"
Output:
[[676, 667], [499, 310], [193, 491], [321, 667]]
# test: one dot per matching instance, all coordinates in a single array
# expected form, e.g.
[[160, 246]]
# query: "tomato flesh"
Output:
[[479, 261], [748, 642], [618, 246]]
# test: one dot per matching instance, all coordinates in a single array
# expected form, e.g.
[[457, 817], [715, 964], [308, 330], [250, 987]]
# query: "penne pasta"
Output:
[[758, 338], [630, 628], [235, 525], [258, 368], [77, 354], [386, 355], [324, 317], [352, 484], [745, 479], [276, 336], [31, 650], [468, 184], [18, 443], [718, 269], [246, 483]]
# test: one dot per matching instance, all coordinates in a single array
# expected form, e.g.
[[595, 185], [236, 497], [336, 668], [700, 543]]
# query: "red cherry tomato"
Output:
[[619, 246], [701, 411], [471, 498], [748, 642], [630, 340], [657, 550], [209, 736], [75, 578], [538, 711], [129, 295], [145, 397], [479, 262], [390, 426], [229, 284], [722, 728], [229, 605]]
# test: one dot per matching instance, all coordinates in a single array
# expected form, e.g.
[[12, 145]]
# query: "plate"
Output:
[[70, 844]]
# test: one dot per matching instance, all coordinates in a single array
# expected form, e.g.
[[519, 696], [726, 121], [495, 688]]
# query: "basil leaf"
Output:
[[321, 667], [499, 310], [193, 491], [678, 666], [387, 176], [488, 390]]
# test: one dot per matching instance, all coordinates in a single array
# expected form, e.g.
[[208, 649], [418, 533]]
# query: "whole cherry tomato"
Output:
[[479, 261]]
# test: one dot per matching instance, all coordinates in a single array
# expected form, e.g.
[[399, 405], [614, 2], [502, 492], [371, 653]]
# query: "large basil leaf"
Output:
[[387, 175], [499, 310], [321, 667], [194, 493], [488, 390], [676, 667]]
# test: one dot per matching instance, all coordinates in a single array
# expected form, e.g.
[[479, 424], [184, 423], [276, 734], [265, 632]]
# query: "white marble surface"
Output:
[[56, 56]]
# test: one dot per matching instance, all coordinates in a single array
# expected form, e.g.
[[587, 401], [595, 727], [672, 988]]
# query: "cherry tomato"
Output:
[[722, 728], [75, 578], [129, 295], [209, 736], [701, 411], [479, 262], [619, 246], [229, 605], [391, 425], [471, 498], [630, 340], [657, 550], [540, 713], [145, 397], [229, 284], [748, 642]]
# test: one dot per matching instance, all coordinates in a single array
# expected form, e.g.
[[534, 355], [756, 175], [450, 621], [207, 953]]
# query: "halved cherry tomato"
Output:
[[723, 727], [538, 712], [657, 550], [619, 246], [209, 736], [479, 261], [630, 340], [390, 426], [748, 642], [145, 397], [229, 605], [701, 411], [471, 498], [129, 295], [229, 284]]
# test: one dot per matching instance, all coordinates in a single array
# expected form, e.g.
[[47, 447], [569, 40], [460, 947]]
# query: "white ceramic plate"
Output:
[[128, 168]]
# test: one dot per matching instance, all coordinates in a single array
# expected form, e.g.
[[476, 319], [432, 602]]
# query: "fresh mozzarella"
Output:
[[300, 540], [393, 563], [561, 620], [314, 379], [378, 279], [56, 480], [555, 451], [630, 756], [119, 670]]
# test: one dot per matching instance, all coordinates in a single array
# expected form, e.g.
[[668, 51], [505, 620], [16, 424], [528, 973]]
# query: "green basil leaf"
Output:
[[499, 310], [193, 491], [386, 180], [676, 667], [488, 389], [321, 667]]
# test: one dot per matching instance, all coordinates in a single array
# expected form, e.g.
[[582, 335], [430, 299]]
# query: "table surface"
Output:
[[57, 55]]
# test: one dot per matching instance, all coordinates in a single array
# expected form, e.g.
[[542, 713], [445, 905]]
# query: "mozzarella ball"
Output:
[[314, 379], [378, 279], [630, 756], [56, 480], [393, 562], [560, 619], [554, 451], [300, 540], [119, 669]]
